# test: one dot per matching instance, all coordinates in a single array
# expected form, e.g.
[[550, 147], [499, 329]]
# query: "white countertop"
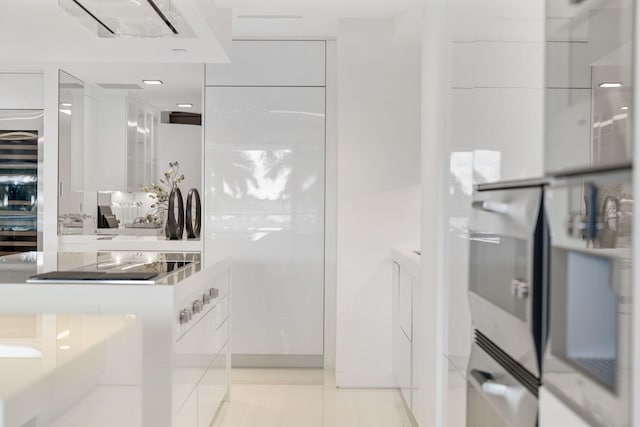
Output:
[[93, 242], [46, 354]]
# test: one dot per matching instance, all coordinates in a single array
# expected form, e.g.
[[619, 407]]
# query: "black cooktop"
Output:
[[129, 271], [94, 275]]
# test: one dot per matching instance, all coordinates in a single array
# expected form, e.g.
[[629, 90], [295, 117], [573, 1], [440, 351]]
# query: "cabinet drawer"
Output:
[[208, 298], [196, 350], [402, 363], [201, 339], [222, 285], [212, 389], [405, 297]]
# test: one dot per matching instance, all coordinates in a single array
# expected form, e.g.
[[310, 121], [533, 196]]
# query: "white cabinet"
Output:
[[264, 198], [142, 131], [271, 63], [126, 153], [405, 299], [201, 356], [402, 332], [406, 361], [212, 388]]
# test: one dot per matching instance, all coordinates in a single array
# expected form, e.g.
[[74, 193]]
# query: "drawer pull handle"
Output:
[[486, 383]]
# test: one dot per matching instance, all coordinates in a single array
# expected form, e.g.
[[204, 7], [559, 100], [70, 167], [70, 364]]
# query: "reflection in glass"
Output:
[[589, 83], [486, 166], [19, 134], [265, 204], [70, 152]]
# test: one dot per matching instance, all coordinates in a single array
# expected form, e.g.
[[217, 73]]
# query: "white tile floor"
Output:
[[306, 398]]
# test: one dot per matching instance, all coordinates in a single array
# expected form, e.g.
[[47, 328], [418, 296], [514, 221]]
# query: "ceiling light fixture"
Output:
[[624, 108], [610, 84], [184, 105], [178, 50], [65, 104], [152, 82]]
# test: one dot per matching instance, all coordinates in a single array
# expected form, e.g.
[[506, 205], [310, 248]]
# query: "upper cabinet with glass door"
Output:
[[142, 124], [589, 71], [126, 157]]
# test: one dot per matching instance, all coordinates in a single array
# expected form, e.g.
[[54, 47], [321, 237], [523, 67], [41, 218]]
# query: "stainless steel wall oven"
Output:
[[508, 300], [588, 365]]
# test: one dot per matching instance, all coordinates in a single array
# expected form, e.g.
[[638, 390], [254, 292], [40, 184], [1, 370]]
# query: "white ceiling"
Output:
[[39, 31], [315, 18], [35, 33], [182, 82]]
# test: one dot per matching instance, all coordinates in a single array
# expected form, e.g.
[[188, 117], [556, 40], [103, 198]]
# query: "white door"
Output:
[[264, 204]]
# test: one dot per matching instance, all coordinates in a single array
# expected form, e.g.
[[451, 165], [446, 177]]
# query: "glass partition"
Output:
[[71, 212]]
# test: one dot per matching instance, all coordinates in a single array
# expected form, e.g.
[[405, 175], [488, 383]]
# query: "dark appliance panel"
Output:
[[18, 191]]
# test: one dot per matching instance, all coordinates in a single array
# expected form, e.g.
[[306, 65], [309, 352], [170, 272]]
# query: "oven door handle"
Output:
[[489, 206], [484, 381]]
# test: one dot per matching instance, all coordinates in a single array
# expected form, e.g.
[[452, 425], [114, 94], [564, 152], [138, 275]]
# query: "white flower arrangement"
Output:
[[160, 193]]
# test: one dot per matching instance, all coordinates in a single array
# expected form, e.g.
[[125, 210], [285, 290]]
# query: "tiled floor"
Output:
[[306, 398]]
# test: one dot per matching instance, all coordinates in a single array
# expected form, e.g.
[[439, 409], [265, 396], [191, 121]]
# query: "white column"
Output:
[[430, 294], [378, 177], [635, 326], [49, 178]]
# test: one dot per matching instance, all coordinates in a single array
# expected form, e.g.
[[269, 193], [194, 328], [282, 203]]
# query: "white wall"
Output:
[[430, 307], [21, 91], [181, 143], [378, 191]]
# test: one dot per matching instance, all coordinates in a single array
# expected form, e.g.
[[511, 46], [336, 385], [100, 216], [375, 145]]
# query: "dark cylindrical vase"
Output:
[[174, 229], [193, 229]]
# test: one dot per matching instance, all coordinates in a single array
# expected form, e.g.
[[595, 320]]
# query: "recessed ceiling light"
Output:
[[624, 108], [610, 84], [184, 105], [65, 104], [269, 16], [152, 82], [179, 50]]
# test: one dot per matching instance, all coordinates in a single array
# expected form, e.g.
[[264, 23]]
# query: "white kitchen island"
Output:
[[147, 366]]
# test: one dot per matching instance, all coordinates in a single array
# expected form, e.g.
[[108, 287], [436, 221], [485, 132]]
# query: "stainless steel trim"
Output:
[[485, 382], [91, 282], [513, 184], [493, 393], [590, 170]]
